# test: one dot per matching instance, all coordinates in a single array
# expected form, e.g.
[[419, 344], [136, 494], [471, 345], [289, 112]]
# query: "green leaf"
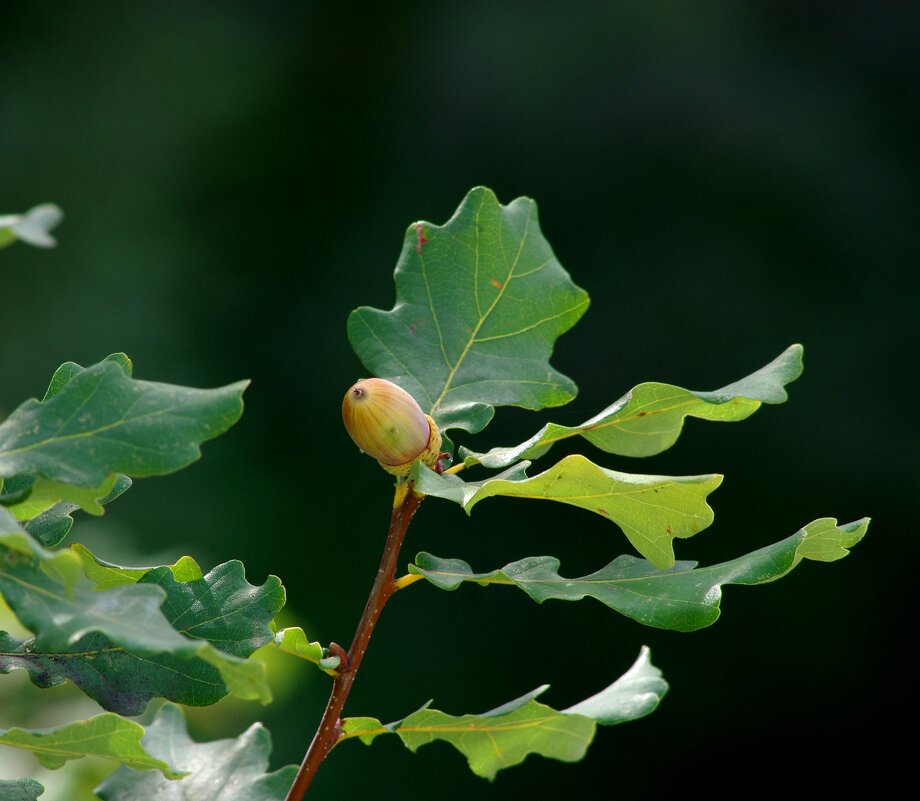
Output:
[[223, 607], [651, 510], [480, 301], [105, 735], [684, 598], [231, 770], [507, 735], [20, 789], [61, 566], [101, 421], [106, 575], [294, 641], [185, 641], [130, 616], [32, 227], [649, 418]]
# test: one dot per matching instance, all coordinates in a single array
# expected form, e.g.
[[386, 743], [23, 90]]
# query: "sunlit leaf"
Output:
[[224, 770], [101, 421], [480, 301], [650, 417], [294, 641], [507, 735], [106, 574], [33, 227], [43, 494], [651, 510], [105, 735], [50, 527], [684, 598], [187, 641]]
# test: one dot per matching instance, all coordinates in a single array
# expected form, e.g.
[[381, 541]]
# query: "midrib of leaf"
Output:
[[69, 750], [482, 317], [576, 582], [517, 582], [228, 613], [469, 728], [474, 727], [51, 749], [35, 588], [563, 498], [620, 421], [56, 655], [65, 655], [90, 433], [636, 413]]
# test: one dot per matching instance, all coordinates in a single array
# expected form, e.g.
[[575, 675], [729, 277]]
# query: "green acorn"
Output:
[[385, 422]]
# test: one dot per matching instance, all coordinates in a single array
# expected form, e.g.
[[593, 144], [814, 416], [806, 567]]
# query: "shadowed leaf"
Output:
[[101, 421], [684, 598], [20, 790], [159, 637]]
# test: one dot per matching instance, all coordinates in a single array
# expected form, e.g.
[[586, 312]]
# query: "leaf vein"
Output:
[[483, 318]]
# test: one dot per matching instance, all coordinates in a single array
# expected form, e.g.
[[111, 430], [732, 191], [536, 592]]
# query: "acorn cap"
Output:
[[385, 422]]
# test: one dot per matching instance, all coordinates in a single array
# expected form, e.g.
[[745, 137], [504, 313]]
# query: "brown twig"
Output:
[[329, 731]]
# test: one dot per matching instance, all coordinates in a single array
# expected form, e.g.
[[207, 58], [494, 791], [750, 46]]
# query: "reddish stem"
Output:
[[329, 729]]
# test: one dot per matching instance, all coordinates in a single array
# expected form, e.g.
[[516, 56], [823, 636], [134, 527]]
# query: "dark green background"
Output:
[[723, 178]]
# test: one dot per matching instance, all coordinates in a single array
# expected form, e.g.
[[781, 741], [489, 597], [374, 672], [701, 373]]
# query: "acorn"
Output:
[[386, 423]]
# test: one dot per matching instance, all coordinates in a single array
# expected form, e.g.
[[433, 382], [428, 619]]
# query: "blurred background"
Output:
[[723, 178]]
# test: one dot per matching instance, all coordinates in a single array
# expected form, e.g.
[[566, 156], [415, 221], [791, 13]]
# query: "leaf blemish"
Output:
[[419, 237], [496, 283]]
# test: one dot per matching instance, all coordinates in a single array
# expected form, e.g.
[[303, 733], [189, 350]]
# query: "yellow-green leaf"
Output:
[[107, 735], [507, 735], [649, 418], [651, 510]]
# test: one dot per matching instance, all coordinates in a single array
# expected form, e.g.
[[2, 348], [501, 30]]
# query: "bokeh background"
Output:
[[723, 178]]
